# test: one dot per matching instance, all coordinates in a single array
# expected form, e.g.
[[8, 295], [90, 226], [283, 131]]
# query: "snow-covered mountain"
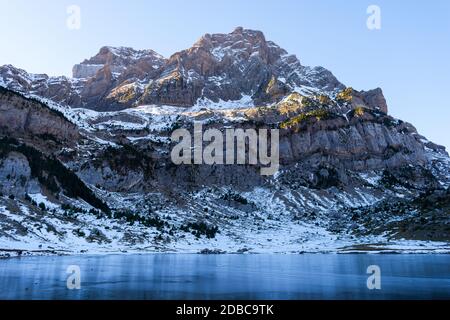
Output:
[[76, 179]]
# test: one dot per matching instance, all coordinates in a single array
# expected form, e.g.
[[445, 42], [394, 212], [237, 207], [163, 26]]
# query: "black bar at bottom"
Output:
[[228, 309]]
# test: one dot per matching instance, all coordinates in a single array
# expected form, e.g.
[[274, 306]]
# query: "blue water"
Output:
[[261, 277]]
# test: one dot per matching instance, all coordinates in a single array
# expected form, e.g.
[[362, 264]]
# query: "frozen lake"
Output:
[[171, 276]]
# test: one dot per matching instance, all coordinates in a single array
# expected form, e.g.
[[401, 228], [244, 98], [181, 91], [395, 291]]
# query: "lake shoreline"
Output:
[[368, 249]]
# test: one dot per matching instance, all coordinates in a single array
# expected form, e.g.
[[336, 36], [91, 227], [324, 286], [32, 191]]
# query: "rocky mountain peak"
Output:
[[238, 68], [118, 59], [241, 44], [223, 70]]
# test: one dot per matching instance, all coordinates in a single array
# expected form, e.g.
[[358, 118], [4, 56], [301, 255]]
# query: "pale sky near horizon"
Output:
[[407, 58]]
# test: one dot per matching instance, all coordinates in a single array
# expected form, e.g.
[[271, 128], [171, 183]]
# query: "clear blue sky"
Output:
[[408, 57]]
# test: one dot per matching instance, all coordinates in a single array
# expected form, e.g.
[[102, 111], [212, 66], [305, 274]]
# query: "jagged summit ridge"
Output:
[[230, 67], [237, 69]]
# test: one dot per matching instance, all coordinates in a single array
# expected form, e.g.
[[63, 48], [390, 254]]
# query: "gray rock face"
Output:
[[15, 176], [118, 60], [84, 70], [29, 118], [373, 99], [314, 152], [361, 145]]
